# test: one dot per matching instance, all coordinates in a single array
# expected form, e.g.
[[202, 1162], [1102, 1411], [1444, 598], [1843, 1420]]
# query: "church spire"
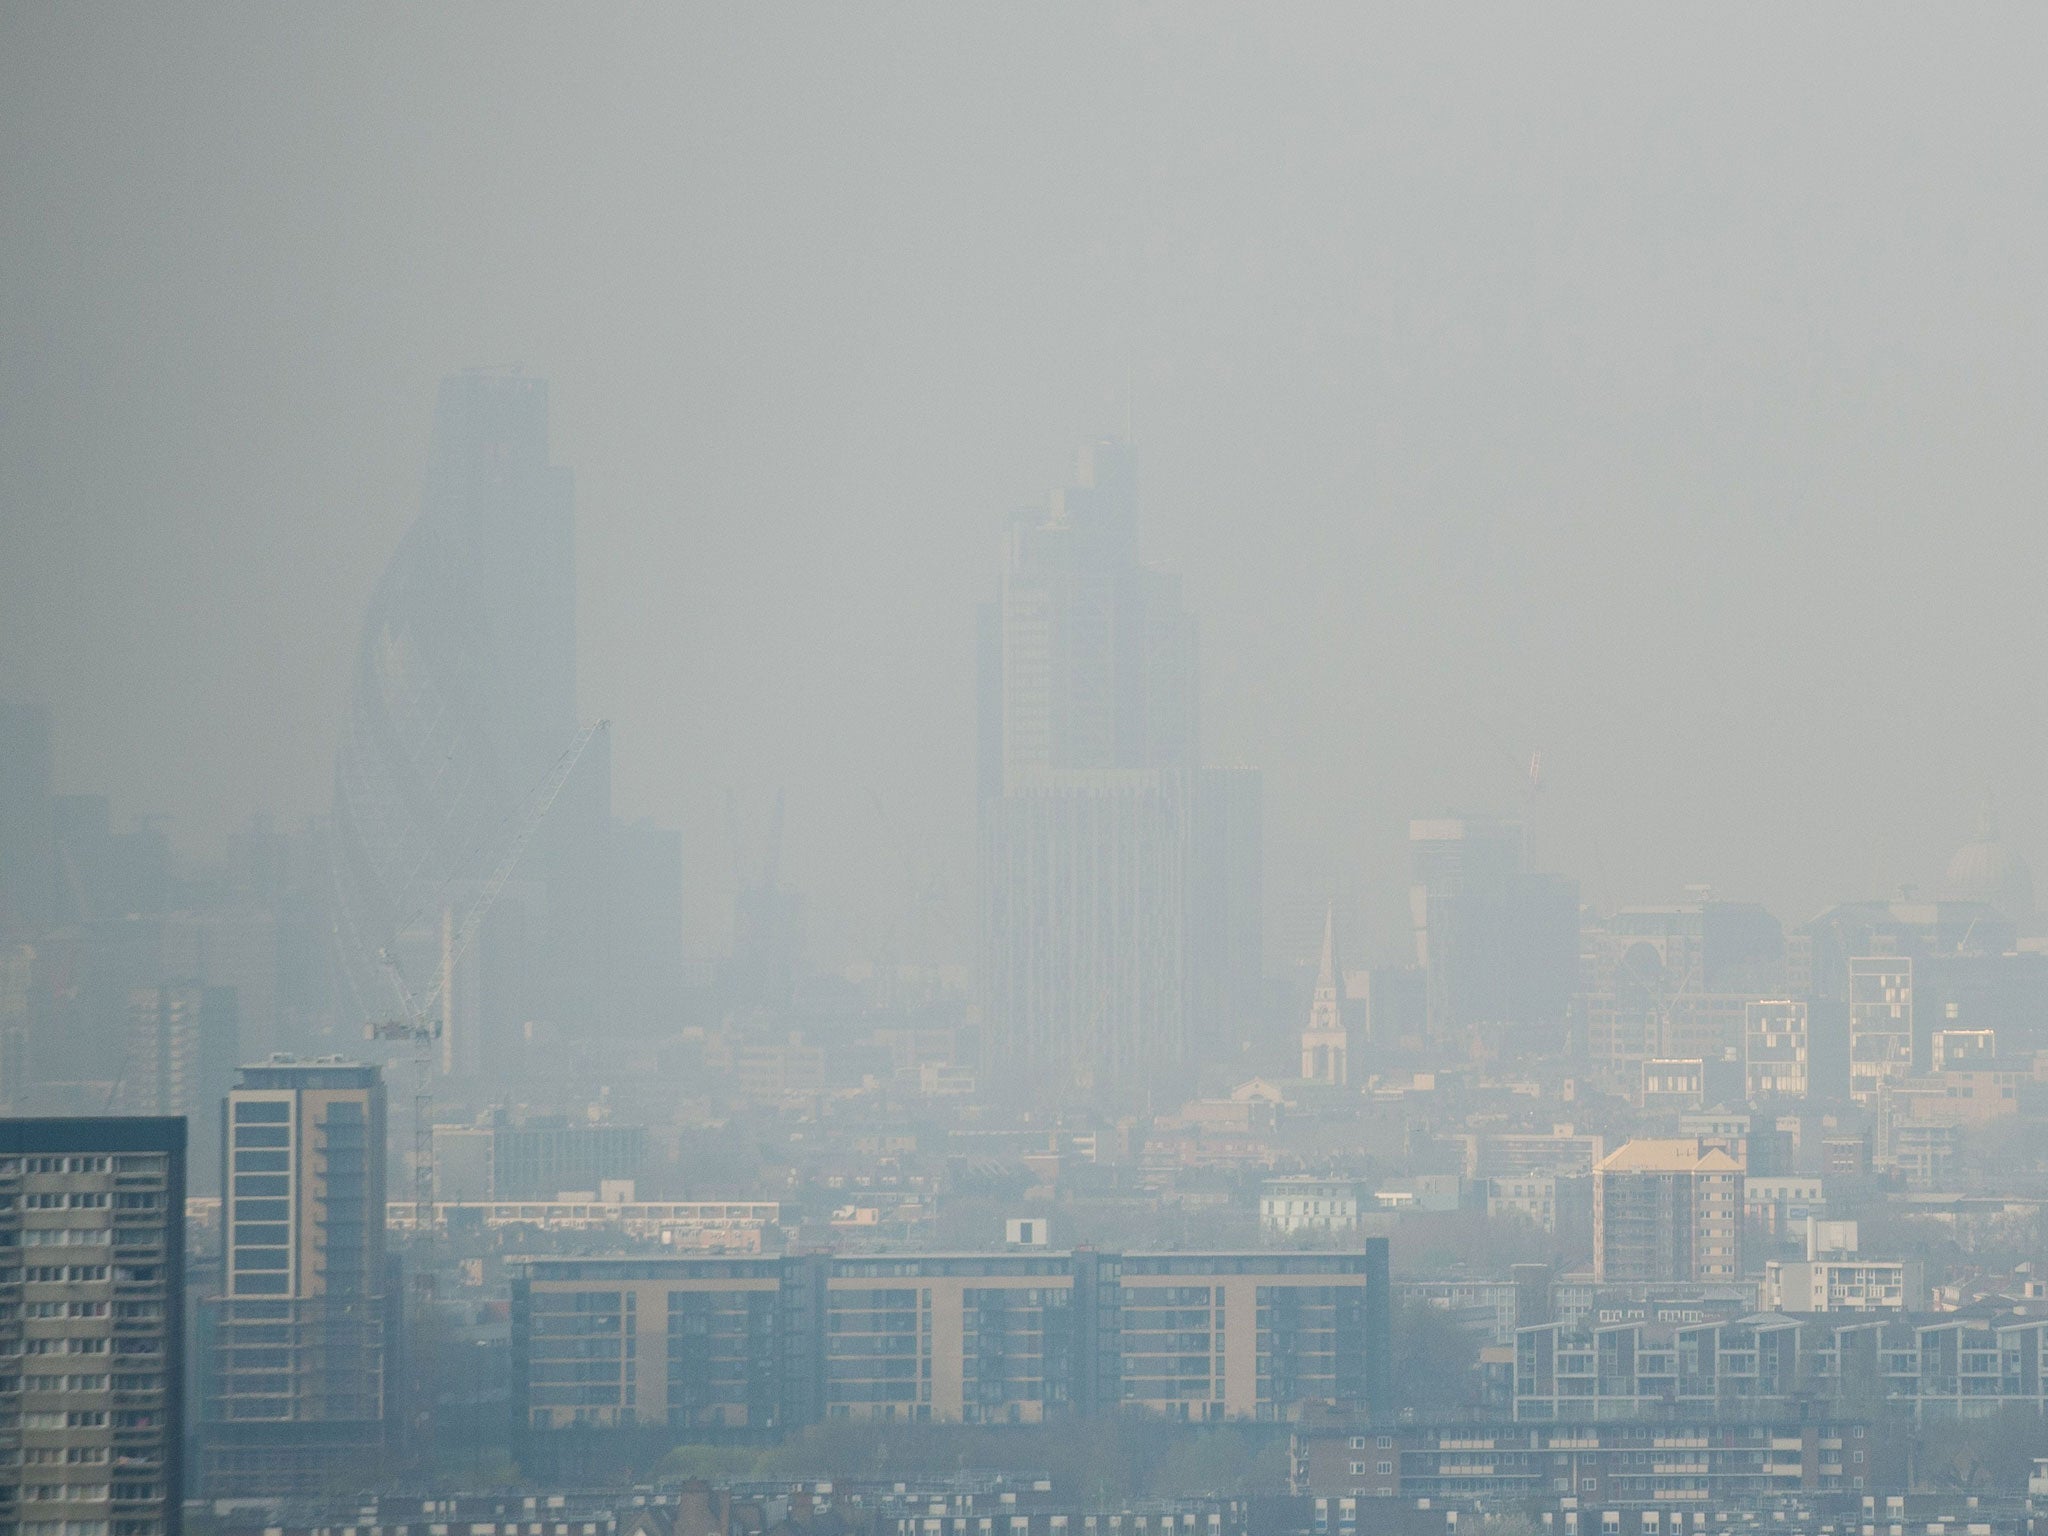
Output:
[[1323, 1042]]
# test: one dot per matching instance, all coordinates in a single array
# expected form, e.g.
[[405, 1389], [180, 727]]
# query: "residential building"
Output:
[[295, 1395], [659, 1346], [1691, 1464], [1852, 1361], [1563, 1150], [92, 1325], [1292, 1206], [1845, 1283], [1667, 1210], [1531, 1196]]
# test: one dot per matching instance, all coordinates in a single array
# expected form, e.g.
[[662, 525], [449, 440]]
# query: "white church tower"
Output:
[[1324, 1043]]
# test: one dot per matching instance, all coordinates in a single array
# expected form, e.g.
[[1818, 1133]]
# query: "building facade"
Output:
[[1776, 1050], [1921, 1366], [92, 1336], [295, 1390], [1667, 1210], [1689, 1465], [676, 1346], [1295, 1205], [1880, 1024], [1120, 921]]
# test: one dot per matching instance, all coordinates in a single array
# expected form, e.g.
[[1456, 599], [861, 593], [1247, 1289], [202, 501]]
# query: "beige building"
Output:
[[1667, 1210], [297, 1394]]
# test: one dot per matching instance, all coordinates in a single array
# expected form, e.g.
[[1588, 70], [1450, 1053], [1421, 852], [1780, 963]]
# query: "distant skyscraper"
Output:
[[183, 1043], [1498, 945], [28, 863], [1120, 879], [465, 696], [92, 1260], [295, 1396]]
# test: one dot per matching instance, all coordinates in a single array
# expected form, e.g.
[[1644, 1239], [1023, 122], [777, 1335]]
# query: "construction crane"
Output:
[[420, 1024]]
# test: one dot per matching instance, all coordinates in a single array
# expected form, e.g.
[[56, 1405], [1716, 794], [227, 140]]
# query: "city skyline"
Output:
[[1523, 495], [1082, 770]]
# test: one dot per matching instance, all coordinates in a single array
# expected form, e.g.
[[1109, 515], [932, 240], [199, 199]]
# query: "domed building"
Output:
[[1992, 872]]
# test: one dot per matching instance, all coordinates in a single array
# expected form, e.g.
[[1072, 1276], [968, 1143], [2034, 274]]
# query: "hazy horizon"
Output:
[[1657, 392]]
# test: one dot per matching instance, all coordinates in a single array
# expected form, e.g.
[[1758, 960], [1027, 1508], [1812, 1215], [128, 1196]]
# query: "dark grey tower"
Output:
[[465, 696]]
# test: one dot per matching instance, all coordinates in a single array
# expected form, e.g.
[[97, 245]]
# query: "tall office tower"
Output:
[[294, 1399], [183, 1043], [1777, 1050], [1498, 945], [1325, 1044], [28, 856], [1667, 1210], [1120, 880], [92, 1326], [465, 697]]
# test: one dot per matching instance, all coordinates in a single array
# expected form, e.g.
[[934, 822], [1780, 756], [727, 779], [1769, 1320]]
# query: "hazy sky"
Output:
[[1659, 390]]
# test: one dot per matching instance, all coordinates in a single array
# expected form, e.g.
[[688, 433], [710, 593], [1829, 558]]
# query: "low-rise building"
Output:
[[1531, 1196], [1291, 1206], [1844, 1284], [1688, 1463]]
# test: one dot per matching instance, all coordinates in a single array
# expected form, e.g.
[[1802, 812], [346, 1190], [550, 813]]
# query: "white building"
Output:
[[1848, 1284], [1288, 1206]]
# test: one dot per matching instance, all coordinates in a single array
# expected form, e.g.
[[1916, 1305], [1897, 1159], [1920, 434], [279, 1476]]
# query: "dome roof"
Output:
[[1990, 871]]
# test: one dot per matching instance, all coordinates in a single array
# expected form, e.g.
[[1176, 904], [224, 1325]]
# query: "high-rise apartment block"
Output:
[[295, 1393], [92, 1255], [1667, 1210], [1120, 880]]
